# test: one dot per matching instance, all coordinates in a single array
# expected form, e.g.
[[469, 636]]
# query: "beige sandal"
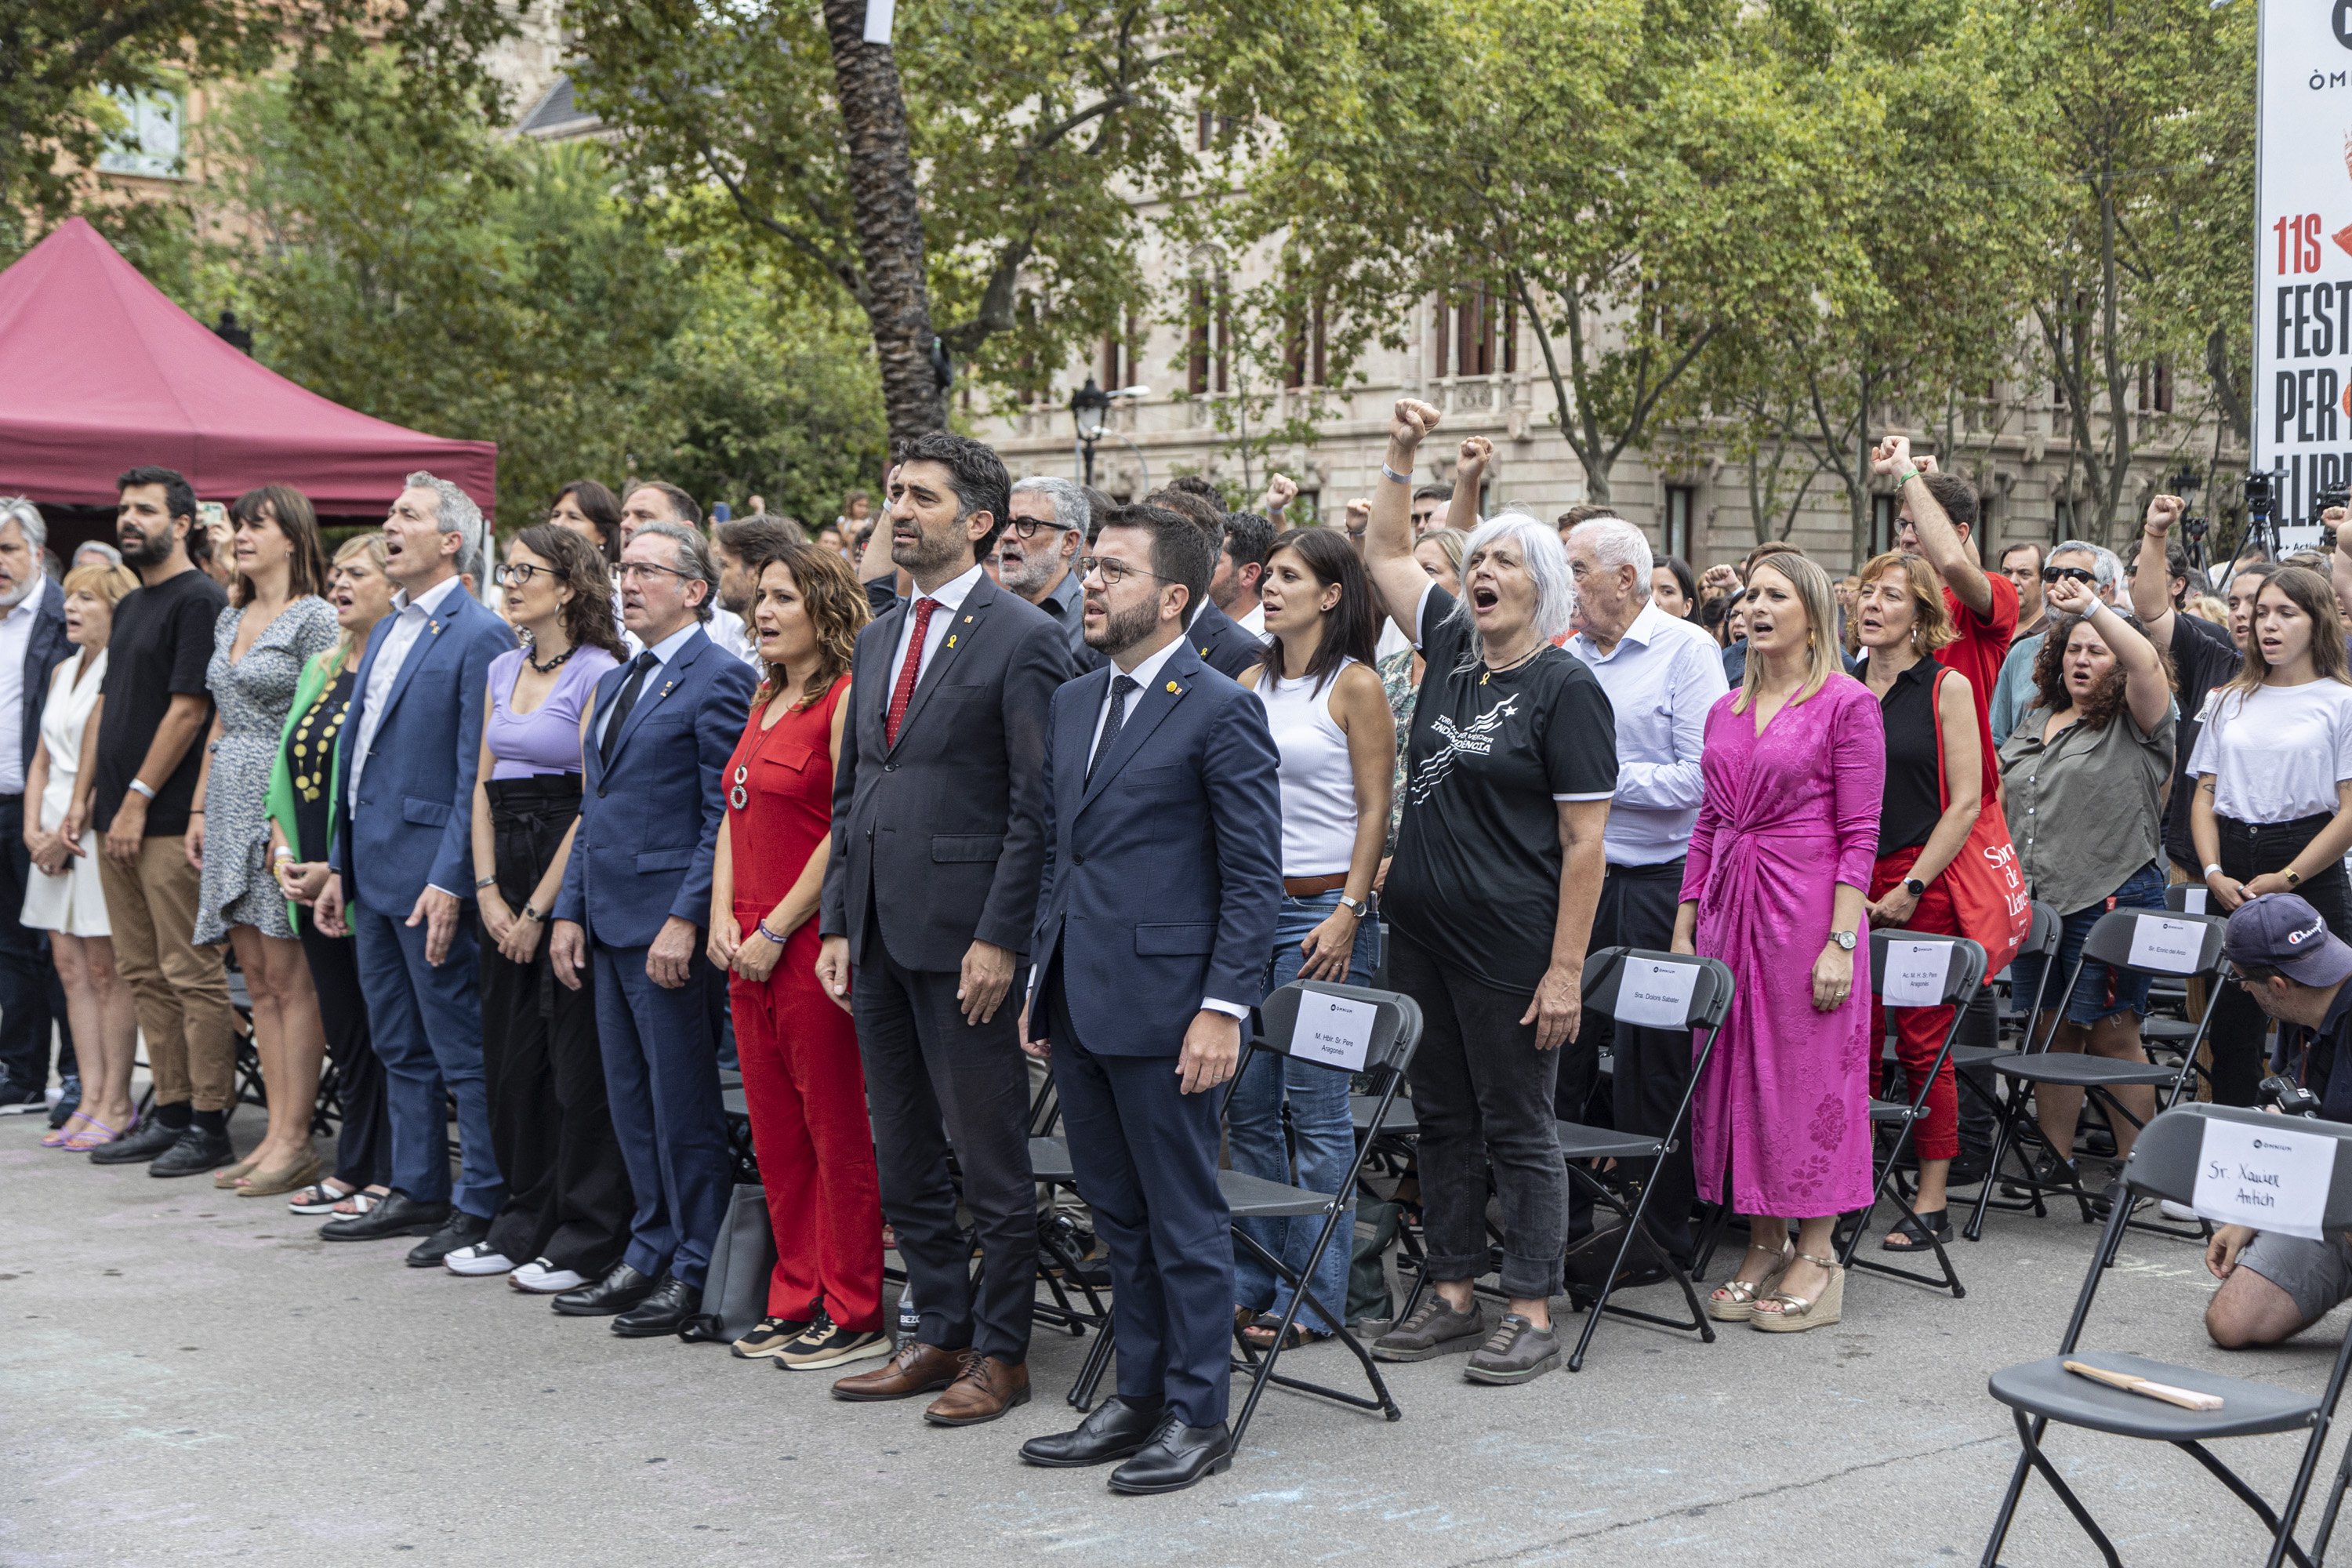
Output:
[[289, 1178], [227, 1175], [1796, 1314], [1735, 1300]]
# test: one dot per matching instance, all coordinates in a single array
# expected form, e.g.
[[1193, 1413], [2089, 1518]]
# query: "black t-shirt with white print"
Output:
[[1477, 874]]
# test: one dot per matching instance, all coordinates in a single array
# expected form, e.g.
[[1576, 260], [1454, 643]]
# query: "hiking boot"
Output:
[[1434, 1328], [1519, 1353]]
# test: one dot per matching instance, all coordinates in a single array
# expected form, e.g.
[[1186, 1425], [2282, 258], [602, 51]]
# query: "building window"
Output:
[[1884, 527], [1307, 511], [1196, 340], [148, 142], [2156, 386], [1682, 502], [1303, 356], [1473, 333], [1211, 129], [1442, 317]]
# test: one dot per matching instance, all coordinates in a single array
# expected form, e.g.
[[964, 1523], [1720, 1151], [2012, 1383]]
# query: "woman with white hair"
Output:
[[1508, 773], [1779, 873]]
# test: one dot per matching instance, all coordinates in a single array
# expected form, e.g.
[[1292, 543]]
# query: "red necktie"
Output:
[[904, 692]]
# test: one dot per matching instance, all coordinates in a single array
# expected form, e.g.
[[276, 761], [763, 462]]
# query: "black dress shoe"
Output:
[[663, 1311], [398, 1215], [1176, 1457], [194, 1153], [460, 1229], [144, 1142], [618, 1291], [1114, 1429]]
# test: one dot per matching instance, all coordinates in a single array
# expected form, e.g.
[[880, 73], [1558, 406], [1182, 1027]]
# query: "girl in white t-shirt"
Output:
[[2272, 811]]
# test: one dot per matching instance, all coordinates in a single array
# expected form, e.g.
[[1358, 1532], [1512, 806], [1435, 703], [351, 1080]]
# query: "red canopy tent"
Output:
[[99, 372]]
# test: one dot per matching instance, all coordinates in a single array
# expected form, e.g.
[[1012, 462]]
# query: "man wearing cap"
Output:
[[2275, 1287]]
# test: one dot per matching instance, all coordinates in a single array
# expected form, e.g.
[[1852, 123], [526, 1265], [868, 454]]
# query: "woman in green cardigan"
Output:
[[302, 787]]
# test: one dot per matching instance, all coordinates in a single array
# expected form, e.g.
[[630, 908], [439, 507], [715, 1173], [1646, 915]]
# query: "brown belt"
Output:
[[1307, 887]]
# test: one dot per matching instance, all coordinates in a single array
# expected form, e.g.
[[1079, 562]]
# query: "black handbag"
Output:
[[743, 1260]]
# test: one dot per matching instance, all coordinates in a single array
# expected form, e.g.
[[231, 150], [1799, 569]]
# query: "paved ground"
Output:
[[193, 1378]]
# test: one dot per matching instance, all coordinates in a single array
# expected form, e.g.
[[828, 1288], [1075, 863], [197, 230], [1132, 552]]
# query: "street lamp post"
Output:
[[1089, 408]]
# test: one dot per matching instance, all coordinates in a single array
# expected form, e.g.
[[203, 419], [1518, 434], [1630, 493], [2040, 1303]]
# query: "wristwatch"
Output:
[[1356, 907], [1844, 939], [1914, 885]]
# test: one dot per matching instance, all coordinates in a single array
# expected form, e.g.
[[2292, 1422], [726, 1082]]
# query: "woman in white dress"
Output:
[[64, 898]]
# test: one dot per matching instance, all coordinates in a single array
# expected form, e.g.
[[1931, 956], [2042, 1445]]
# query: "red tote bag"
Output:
[[1986, 883]]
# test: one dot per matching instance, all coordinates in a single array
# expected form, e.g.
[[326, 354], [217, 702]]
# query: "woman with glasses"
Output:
[[566, 1216]]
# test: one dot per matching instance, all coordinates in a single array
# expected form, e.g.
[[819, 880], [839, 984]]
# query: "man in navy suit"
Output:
[[401, 869], [1223, 644], [1163, 875], [32, 645], [636, 897]]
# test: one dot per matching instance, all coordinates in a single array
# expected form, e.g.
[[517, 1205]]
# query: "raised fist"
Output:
[[1891, 456], [1412, 420], [1476, 453], [2163, 511], [1281, 489]]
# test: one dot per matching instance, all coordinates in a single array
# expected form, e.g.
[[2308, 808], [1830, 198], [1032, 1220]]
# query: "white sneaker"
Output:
[[477, 1259], [541, 1277], [2172, 1210]]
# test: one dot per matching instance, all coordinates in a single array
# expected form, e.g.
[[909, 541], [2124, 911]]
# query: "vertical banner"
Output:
[[2303, 257]]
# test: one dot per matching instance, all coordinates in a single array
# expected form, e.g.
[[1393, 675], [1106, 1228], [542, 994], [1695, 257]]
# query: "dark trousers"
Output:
[[2249, 850], [29, 988], [426, 1020], [661, 1082], [568, 1197], [1636, 909], [363, 1142], [1483, 1094], [933, 1081], [1146, 1157]]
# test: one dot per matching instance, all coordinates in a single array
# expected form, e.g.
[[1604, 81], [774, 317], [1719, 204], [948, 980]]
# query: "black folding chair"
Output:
[[1709, 987], [1964, 970], [2111, 943], [2164, 1164]]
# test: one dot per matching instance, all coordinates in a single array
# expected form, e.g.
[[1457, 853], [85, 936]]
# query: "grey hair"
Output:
[[103, 550], [1070, 508], [457, 514], [693, 559], [1546, 562], [20, 511], [1616, 542], [2106, 566]]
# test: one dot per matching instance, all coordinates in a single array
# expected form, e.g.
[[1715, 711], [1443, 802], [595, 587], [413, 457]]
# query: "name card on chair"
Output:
[[2171, 947], [2192, 901], [1915, 973], [2269, 1177], [1655, 994], [1333, 1030]]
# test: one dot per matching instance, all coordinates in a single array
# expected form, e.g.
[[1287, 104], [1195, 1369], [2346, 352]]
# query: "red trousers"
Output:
[[1918, 1031], [815, 1145]]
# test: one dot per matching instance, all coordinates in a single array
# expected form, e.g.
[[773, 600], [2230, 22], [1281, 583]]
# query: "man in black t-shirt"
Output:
[[2203, 656], [151, 714]]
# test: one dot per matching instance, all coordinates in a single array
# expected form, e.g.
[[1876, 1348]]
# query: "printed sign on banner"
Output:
[[1333, 1030], [2303, 258], [1655, 994], [1915, 973], [2170, 947], [2270, 1177]]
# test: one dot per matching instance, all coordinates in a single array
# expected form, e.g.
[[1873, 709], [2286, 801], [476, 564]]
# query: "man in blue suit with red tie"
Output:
[[1163, 876]]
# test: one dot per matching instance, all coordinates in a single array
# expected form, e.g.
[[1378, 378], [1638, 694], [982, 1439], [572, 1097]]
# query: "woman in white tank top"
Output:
[[1331, 723]]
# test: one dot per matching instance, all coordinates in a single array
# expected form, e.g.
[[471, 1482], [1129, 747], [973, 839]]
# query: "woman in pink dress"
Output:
[[1779, 862]]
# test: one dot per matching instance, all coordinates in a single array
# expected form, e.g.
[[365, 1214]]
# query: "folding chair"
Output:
[[1703, 988], [2164, 1164], [1964, 969], [2178, 944]]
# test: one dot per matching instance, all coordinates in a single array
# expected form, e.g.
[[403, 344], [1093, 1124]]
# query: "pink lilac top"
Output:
[[1787, 815], [547, 739]]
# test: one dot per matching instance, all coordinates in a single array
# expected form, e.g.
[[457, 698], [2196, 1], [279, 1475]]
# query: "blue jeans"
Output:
[[2101, 993], [1321, 1127]]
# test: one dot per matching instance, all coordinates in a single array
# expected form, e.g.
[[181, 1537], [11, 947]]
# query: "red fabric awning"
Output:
[[99, 372]]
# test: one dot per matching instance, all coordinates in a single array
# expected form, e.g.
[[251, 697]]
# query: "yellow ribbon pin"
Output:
[[1171, 688], [952, 640]]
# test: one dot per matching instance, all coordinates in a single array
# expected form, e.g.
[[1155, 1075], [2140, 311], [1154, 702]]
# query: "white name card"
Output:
[[2169, 946], [1655, 994], [1915, 973], [1333, 1030], [2192, 901], [2270, 1177]]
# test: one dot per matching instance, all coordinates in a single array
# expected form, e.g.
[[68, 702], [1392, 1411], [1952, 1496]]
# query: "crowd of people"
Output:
[[903, 815]]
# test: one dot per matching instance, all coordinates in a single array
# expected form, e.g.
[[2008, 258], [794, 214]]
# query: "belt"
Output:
[[1307, 887]]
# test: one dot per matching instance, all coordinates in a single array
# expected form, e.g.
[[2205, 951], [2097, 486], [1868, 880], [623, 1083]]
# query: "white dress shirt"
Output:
[[1662, 678], [16, 636], [408, 618], [950, 595], [1255, 621], [663, 652]]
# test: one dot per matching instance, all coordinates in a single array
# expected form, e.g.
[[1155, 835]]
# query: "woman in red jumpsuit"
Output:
[[799, 1048]]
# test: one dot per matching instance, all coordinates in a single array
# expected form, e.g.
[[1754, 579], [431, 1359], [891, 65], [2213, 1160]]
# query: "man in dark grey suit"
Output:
[[1216, 636], [930, 899]]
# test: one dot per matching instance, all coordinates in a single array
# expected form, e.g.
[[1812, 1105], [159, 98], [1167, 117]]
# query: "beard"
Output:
[[1031, 575], [928, 554], [1122, 629], [143, 549]]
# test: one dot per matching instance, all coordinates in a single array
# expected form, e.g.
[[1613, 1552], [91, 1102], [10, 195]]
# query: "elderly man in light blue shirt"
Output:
[[2013, 692], [1662, 676]]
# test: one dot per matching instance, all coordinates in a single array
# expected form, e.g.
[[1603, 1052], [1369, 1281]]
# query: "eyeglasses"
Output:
[[640, 569], [518, 575], [2068, 574], [1027, 527], [1114, 573]]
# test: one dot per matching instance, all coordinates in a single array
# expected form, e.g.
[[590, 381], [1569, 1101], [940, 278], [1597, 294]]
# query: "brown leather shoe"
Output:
[[988, 1388], [918, 1368]]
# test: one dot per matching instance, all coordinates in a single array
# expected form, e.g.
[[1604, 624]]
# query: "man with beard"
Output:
[[152, 708], [32, 644], [1222, 643], [754, 537], [929, 898], [1035, 552]]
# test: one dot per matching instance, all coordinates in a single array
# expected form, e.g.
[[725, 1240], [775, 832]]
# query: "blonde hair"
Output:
[[370, 544], [1821, 661], [1931, 618], [103, 580]]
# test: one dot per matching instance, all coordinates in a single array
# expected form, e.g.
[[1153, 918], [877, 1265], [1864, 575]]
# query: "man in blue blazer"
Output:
[[401, 869], [1155, 922], [636, 898]]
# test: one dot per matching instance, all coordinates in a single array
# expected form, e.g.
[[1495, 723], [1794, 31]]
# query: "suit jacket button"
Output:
[[1077, 859], [889, 767], [600, 791]]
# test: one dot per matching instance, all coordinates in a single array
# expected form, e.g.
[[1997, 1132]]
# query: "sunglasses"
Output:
[[2068, 574]]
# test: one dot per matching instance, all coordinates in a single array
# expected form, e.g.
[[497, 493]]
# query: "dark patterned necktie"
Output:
[[640, 667], [1119, 686]]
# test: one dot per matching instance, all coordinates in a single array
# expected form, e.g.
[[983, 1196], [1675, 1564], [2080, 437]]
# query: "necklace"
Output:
[[1493, 670], [552, 664]]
